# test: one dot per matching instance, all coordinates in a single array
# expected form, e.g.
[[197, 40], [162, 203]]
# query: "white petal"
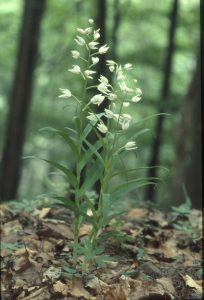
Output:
[[103, 49]]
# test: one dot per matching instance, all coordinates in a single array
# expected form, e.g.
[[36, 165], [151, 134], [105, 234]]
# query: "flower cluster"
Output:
[[118, 96]]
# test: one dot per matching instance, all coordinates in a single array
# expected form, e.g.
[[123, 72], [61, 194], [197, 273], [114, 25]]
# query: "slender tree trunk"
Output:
[[20, 98], [155, 152], [188, 145]]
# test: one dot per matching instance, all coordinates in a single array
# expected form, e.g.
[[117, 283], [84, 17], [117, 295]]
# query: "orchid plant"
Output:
[[110, 127]]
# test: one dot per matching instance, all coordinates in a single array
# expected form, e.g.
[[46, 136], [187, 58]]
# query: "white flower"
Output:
[[65, 93], [139, 91], [103, 79], [88, 74], [96, 34], [84, 31], [125, 88], [102, 87], [92, 45], [95, 60], [120, 75], [91, 21], [112, 97], [111, 68], [136, 98], [75, 54], [130, 146], [97, 99], [125, 121], [103, 49], [126, 117], [92, 117], [76, 69], [109, 114], [128, 66], [126, 104], [110, 63], [125, 124], [102, 127], [80, 41]]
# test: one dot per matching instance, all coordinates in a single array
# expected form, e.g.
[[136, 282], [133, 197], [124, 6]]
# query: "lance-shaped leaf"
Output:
[[129, 186], [93, 174], [70, 141], [66, 136], [90, 126], [73, 207], [88, 154], [71, 177], [94, 150]]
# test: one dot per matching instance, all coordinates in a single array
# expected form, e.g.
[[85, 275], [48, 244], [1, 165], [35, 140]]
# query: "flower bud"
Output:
[[92, 45], [80, 41], [75, 54], [103, 49], [102, 127], [65, 93], [76, 69], [130, 146], [88, 74], [97, 99], [95, 60]]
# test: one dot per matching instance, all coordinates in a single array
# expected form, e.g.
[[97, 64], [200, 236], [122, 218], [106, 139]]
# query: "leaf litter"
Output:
[[158, 257]]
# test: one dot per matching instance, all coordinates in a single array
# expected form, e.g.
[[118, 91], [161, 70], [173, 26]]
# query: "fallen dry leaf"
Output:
[[61, 288], [136, 214], [96, 284], [42, 213], [85, 229], [62, 229], [36, 294], [78, 290], [115, 293], [167, 284], [52, 273], [192, 283], [22, 262]]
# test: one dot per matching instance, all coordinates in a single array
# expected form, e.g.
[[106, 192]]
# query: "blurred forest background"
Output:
[[160, 38]]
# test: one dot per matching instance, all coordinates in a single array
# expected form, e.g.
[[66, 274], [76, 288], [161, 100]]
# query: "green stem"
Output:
[[76, 242]]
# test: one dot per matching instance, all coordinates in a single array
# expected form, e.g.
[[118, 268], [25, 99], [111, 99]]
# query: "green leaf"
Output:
[[78, 125], [70, 142], [94, 150], [131, 185], [70, 204], [93, 174], [89, 127], [138, 169], [88, 155], [66, 136], [79, 211], [67, 172], [115, 215]]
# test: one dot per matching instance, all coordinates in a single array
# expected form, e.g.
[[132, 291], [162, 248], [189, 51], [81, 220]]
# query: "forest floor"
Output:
[[159, 257]]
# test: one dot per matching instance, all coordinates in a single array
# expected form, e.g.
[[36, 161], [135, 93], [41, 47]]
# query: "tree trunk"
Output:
[[155, 152], [20, 98], [188, 145]]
